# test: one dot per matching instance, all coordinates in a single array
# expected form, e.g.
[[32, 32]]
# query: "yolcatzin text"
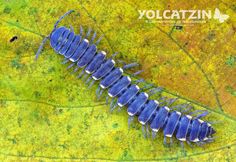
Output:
[[175, 14]]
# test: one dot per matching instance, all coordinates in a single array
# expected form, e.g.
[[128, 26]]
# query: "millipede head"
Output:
[[54, 36]]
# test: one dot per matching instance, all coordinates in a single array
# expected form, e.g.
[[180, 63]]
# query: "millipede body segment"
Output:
[[83, 54]]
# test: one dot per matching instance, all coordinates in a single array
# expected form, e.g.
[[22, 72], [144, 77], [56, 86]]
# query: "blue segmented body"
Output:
[[83, 54]]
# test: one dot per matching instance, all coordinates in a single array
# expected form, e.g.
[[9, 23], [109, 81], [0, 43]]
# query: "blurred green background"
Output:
[[47, 114]]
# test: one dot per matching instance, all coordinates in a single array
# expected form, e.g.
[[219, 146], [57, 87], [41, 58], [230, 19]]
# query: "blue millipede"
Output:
[[151, 113]]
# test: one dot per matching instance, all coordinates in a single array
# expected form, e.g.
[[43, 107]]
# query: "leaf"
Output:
[[47, 114]]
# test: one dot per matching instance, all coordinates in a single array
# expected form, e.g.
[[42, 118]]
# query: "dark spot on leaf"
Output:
[[71, 99], [19, 153], [51, 69], [47, 121], [115, 125], [68, 128], [13, 39], [19, 121], [211, 35], [126, 156], [231, 61], [64, 146], [33, 11], [234, 7], [117, 139], [35, 115], [178, 27], [16, 63], [37, 94], [13, 140], [7, 10], [3, 103], [18, 51], [120, 17], [58, 111], [77, 14]]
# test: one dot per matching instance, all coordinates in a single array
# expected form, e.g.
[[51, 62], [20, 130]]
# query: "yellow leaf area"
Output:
[[47, 114]]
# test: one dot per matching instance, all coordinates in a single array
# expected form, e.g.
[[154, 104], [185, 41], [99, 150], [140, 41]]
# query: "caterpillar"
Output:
[[152, 114]]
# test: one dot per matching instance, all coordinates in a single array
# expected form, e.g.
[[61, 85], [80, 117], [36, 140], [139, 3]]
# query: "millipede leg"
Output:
[[130, 120], [154, 134], [75, 70], [99, 40], [144, 131], [155, 91], [97, 91], [200, 144], [107, 99], [71, 29], [189, 143], [162, 100], [88, 80], [197, 111], [88, 33], [91, 84], [165, 141], [65, 61], [94, 36], [100, 94], [171, 101], [210, 139], [80, 74], [146, 87], [85, 77], [147, 131], [81, 31], [70, 66], [182, 144], [216, 122], [171, 141], [114, 55], [121, 62], [202, 115], [139, 81], [182, 148], [182, 107], [130, 65], [112, 104], [136, 73], [188, 108], [59, 20], [113, 108], [41, 47], [119, 109]]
